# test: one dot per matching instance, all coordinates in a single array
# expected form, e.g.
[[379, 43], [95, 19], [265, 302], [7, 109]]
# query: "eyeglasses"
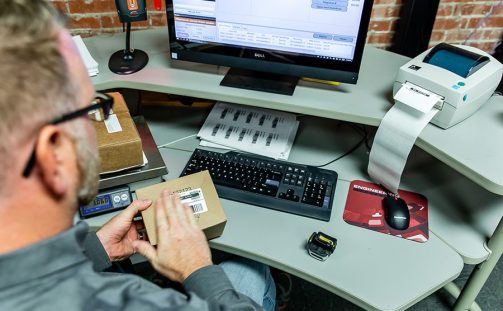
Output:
[[99, 110]]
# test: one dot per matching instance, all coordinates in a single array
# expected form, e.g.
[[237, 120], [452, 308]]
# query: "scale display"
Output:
[[102, 201], [107, 201]]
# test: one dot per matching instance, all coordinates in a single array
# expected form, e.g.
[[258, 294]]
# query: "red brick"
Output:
[[445, 10], [491, 22], [387, 2], [494, 21], [494, 34], [476, 35], [84, 22], [386, 11], [110, 21], [498, 9], [380, 38], [457, 36], [437, 35], [450, 23], [380, 25], [93, 6], [141, 24], [472, 9], [158, 19], [484, 46], [60, 6], [474, 22]]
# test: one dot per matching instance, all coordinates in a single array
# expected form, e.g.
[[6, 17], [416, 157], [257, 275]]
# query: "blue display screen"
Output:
[[101, 202]]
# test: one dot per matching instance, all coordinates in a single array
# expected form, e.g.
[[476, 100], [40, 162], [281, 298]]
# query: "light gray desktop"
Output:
[[459, 170]]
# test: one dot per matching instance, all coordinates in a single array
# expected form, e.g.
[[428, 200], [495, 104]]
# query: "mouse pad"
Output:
[[364, 209]]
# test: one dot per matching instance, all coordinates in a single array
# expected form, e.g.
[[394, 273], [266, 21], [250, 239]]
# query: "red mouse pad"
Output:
[[364, 209]]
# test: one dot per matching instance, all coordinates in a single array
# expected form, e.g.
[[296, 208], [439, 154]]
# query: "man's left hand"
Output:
[[118, 234]]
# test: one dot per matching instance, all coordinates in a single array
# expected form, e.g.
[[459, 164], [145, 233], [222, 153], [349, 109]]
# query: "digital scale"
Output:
[[107, 201]]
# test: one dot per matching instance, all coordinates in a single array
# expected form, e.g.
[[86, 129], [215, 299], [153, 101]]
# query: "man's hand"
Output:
[[118, 234], [182, 247]]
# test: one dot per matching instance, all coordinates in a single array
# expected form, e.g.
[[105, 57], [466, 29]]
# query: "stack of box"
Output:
[[119, 144]]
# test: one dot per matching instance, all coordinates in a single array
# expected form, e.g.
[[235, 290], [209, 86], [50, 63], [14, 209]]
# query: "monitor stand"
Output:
[[260, 81]]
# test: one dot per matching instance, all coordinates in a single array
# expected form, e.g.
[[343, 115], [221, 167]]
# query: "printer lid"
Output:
[[457, 60]]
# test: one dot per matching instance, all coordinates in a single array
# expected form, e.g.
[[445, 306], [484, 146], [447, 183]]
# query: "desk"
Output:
[[349, 273]]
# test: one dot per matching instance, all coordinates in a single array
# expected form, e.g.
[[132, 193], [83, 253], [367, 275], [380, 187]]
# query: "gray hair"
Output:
[[35, 80]]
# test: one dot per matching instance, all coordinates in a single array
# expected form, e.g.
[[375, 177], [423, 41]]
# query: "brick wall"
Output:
[[477, 23], [92, 17]]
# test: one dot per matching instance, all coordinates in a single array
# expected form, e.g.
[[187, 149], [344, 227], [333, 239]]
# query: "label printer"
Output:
[[463, 77]]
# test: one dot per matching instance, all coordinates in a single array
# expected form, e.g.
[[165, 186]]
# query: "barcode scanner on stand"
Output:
[[129, 60]]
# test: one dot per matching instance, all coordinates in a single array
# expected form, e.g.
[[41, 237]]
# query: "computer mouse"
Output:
[[396, 212]]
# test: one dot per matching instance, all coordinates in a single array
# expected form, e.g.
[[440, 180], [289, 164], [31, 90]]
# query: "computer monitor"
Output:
[[270, 44]]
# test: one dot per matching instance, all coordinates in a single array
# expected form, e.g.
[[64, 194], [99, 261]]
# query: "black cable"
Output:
[[363, 140], [364, 132], [343, 155], [367, 144]]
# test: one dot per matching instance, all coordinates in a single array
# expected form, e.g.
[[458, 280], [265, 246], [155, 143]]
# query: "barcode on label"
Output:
[[197, 208], [195, 199]]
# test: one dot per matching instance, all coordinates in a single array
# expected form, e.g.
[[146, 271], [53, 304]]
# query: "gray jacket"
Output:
[[58, 274]]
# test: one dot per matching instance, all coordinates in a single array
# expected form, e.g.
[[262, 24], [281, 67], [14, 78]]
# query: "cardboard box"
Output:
[[119, 144], [200, 187]]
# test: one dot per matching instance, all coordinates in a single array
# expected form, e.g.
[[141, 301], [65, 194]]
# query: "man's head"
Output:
[[43, 78]]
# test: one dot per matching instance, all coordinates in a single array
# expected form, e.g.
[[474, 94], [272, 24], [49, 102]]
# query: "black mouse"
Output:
[[396, 212]]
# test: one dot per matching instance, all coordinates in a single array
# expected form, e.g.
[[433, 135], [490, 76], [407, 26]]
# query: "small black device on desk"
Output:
[[107, 201], [279, 185], [321, 245]]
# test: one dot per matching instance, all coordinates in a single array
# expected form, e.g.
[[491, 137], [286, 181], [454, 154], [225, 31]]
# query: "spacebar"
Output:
[[226, 183]]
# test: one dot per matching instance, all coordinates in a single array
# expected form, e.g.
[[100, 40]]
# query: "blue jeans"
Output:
[[252, 279]]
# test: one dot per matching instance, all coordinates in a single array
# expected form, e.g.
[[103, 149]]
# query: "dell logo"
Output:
[[259, 55]]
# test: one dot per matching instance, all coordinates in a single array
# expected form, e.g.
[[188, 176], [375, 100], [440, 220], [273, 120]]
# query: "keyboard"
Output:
[[279, 185]]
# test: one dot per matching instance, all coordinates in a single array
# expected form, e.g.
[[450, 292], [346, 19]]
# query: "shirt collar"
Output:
[[43, 258]]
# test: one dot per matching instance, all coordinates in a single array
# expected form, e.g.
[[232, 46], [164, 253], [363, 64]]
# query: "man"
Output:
[[49, 168]]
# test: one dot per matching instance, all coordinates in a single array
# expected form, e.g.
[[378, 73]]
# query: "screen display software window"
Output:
[[323, 28]]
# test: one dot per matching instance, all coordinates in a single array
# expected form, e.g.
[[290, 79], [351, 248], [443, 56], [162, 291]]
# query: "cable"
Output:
[[363, 128], [352, 149], [343, 155], [175, 141], [357, 128]]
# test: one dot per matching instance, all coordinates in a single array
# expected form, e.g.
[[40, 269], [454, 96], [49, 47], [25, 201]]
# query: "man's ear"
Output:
[[56, 160]]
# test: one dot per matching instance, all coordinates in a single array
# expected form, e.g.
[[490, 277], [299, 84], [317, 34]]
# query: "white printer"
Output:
[[463, 77]]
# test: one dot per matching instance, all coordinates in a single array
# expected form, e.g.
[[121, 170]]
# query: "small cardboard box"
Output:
[[119, 144], [204, 200]]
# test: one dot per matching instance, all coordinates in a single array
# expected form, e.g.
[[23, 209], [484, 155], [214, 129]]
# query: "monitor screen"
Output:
[[320, 39]]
